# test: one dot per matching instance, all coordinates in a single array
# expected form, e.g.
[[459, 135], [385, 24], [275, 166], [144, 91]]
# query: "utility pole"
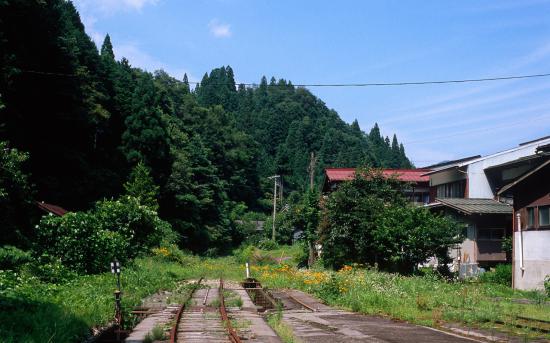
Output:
[[275, 179], [281, 189], [311, 169]]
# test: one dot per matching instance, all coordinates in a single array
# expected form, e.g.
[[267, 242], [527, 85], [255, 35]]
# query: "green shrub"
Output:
[[268, 244], [245, 254], [501, 274], [369, 221], [254, 256], [157, 334], [302, 255], [547, 284], [49, 269], [13, 258], [88, 241], [172, 253]]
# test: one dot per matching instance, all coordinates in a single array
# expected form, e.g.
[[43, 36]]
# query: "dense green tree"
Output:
[[141, 186], [304, 217], [368, 220], [88, 118], [107, 48], [16, 196], [194, 198], [53, 93], [218, 88], [145, 138]]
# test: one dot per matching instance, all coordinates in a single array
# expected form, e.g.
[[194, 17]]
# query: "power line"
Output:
[[483, 129], [371, 84], [407, 83], [46, 73]]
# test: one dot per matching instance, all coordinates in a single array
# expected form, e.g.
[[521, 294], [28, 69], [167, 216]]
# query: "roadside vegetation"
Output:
[[424, 299], [34, 310], [284, 331]]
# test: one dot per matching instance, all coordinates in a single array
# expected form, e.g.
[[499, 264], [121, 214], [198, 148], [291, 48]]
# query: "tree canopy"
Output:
[[369, 221], [85, 118]]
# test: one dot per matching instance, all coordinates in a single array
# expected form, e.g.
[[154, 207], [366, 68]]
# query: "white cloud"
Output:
[[452, 108], [89, 23], [424, 156], [481, 132], [109, 7], [141, 59], [540, 53], [219, 29]]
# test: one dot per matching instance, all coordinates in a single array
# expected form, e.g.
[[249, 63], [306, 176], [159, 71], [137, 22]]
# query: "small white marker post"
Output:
[[247, 271], [115, 269]]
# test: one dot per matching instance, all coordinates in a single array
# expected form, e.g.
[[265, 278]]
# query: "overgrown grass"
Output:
[[232, 299], [157, 334], [288, 254], [425, 300], [283, 330], [32, 310], [35, 311]]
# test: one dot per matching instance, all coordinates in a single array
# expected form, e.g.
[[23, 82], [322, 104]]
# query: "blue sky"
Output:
[[358, 42]]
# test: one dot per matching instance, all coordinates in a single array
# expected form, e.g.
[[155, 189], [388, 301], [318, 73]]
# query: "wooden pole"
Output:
[[274, 205], [311, 169]]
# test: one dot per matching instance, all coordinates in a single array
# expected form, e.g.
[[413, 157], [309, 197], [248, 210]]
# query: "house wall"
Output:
[[468, 248], [534, 191], [536, 259], [474, 250], [489, 252], [478, 184]]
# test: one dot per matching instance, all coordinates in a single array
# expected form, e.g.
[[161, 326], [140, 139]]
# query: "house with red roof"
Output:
[[419, 192]]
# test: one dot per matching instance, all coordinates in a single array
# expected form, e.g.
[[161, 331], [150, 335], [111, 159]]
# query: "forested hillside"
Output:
[[86, 118]]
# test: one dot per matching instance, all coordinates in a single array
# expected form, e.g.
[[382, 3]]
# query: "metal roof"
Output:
[[405, 175], [447, 163], [518, 161], [523, 177], [476, 206], [540, 142], [534, 140]]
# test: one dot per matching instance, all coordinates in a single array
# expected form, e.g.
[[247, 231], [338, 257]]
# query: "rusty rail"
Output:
[[304, 305], [232, 333], [174, 331]]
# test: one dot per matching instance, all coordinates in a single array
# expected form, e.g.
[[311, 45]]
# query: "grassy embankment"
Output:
[[35, 311]]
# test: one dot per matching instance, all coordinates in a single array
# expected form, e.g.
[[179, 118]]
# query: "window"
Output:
[[490, 234], [530, 216], [451, 190], [544, 216]]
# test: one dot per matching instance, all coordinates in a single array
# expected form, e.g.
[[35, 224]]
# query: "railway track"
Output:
[[301, 303], [223, 312], [203, 318], [290, 301]]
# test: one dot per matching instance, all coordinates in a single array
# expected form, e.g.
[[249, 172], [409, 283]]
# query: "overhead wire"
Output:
[[366, 84], [521, 122]]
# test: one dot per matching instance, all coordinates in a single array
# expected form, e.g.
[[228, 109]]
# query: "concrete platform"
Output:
[[329, 325]]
